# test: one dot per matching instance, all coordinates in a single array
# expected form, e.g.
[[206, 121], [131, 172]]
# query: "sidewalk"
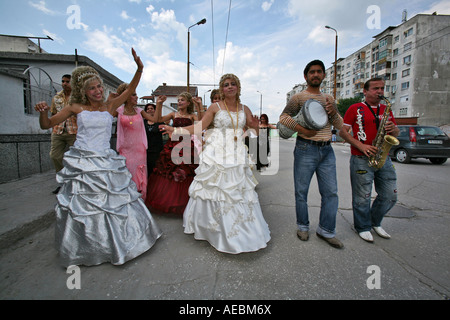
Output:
[[26, 205]]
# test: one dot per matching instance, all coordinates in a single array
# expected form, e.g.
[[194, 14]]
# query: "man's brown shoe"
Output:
[[334, 242], [303, 235]]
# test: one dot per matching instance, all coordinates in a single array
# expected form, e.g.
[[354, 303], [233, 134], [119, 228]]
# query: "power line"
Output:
[[214, 50], [226, 37]]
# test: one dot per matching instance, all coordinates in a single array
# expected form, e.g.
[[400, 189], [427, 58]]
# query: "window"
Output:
[[394, 76], [406, 73], [383, 54], [429, 131], [408, 33], [407, 60], [403, 112], [404, 99], [407, 46], [396, 39], [395, 63], [395, 52]]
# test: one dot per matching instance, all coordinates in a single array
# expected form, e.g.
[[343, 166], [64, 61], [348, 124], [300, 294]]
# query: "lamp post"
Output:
[[335, 61], [260, 105], [204, 97], [203, 21]]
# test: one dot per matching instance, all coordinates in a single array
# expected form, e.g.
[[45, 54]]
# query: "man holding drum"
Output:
[[313, 153]]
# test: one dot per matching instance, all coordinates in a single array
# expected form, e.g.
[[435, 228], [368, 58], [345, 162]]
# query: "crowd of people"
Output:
[[203, 173]]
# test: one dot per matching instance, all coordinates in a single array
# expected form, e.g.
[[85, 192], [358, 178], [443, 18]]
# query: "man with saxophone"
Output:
[[369, 120]]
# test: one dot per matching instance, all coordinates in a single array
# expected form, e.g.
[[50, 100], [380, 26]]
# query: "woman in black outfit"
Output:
[[154, 139]]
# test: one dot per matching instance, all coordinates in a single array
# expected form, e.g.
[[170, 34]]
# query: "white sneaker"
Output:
[[366, 236], [380, 231]]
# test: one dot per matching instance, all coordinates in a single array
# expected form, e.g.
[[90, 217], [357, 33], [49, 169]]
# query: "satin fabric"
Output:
[[168, 186], [100, 215], [132, 144], [223, 207]]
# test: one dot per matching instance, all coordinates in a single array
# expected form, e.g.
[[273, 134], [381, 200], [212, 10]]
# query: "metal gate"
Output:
[[38, 86]]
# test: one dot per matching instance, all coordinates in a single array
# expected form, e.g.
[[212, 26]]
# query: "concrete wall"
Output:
[[12, 115], [431, 95], [24, 155]]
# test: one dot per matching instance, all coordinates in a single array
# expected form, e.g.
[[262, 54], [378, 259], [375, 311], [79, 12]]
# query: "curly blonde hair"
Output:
[[121, 88], [81, 78], [188, 97], [238, 83]]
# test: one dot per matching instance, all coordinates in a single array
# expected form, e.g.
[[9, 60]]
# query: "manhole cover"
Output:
[[400, 212]]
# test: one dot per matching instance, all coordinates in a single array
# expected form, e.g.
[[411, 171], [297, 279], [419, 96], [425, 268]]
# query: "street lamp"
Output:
[[204, 97], [260, 105], [203, 21], [335, 61]]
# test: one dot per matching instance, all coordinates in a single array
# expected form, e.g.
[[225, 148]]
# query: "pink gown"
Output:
[[132, 144]]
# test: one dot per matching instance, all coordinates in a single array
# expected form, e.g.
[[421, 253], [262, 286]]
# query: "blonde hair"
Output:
[[81, 78], [188, 97], [238, 83], [122, 88]]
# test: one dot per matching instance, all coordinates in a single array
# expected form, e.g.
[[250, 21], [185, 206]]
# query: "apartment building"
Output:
[[414, 60]]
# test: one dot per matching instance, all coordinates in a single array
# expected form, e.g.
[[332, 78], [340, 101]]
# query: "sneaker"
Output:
[[303, 235], [366, 236], [334, 242], [380, 231]]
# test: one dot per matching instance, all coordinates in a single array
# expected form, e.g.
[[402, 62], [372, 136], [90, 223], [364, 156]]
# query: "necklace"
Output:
[[232, 122], [129, 113]]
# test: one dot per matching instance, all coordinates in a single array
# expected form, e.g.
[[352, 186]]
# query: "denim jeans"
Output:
[[310, 159], [362, 177]]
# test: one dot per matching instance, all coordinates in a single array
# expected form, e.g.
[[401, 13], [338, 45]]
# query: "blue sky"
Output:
[[268, 41]]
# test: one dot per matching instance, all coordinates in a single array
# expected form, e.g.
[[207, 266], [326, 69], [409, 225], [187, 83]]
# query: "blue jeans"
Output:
[[362, 177], [310, 159]]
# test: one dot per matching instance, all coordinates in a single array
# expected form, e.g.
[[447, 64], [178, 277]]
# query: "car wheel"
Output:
[[438, 160], [402, 156]]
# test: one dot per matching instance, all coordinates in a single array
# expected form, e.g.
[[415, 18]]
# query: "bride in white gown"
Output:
[[223, 207]]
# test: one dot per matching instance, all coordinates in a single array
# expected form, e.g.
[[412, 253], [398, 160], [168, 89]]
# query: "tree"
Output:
[[344, 104]]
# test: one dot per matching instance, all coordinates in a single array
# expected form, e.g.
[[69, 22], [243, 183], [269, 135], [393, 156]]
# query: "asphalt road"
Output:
[[413, 265]]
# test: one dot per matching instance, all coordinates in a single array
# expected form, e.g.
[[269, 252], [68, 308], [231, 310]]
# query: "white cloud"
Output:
[[442, 7], [266, 5], [54, 36], [124, 15], [111, 47], [42, 6], [166, 22], [320, 35]]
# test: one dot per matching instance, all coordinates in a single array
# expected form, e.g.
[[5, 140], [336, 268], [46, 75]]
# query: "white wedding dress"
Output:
[[223, 207]]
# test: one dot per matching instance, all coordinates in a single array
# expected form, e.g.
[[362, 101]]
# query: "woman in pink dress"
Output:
[[132, 138]]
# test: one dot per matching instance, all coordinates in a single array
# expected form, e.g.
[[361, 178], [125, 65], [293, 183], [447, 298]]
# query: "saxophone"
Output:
[[382, 141]]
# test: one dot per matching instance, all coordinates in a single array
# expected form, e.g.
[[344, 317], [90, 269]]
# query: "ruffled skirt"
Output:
[[224, 208], [168, 185], [100, 215]]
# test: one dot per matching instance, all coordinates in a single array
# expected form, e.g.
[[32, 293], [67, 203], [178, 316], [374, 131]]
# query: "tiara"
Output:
[[89, 73]]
